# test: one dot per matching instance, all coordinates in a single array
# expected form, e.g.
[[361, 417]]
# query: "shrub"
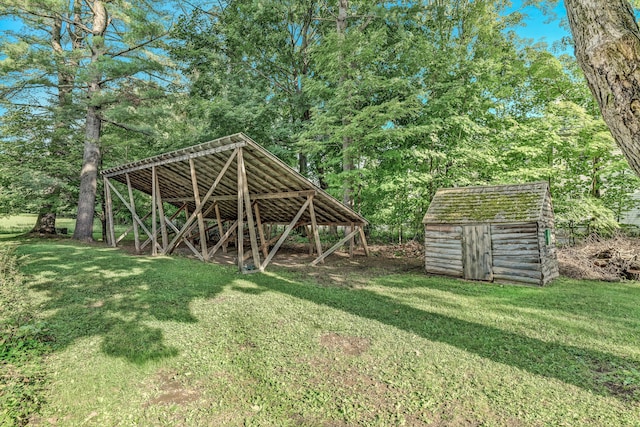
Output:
[[23, 342]]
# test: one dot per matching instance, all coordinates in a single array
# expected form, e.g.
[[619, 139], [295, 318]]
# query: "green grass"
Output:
[[20, 224], [172, 341], [23, 343], [17, 225]]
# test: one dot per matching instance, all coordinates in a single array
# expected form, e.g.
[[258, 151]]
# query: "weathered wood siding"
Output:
[[476, 252], [516, 255], [502, 233], [443, 249], [548, 254]]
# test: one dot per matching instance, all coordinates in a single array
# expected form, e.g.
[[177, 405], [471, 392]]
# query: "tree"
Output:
[[248, 60], [607, 46], [98, 55]]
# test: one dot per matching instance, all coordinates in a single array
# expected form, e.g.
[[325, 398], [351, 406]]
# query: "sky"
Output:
[[541, 28], [537, 26]]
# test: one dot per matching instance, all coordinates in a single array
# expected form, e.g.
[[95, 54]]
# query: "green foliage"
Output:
[[380, 107], [23, 342]]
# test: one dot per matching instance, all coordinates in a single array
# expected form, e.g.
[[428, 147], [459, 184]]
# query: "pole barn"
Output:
[[228, 190]]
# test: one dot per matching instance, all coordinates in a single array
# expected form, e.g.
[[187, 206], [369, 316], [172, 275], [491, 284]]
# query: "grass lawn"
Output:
[[16, 225], [173, 341]]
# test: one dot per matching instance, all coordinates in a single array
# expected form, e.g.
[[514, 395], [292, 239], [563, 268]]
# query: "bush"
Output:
[[23, 342]]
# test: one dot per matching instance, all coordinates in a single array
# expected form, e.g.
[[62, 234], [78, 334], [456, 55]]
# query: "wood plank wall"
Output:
[[516, 253], [443, 249]]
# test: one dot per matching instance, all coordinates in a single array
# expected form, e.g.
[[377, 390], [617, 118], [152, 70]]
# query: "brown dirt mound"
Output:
[[613, 259]]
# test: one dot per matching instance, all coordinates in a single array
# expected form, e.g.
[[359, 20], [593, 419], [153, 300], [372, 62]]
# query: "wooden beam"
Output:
[[203, 201], [123, 235], [196, 195], [135, 216], [111, 238], [351, 241], [154, 230], [254, 197], [146, 242], [314, 227], [223, 239], [136, 233], [220, 229], [363, 240], [185, 240], [335, 247], [263, 246], [290, 227], [247, 204], [185, 237], [240, 213], [180, 158], [309, 233], [158, 201]]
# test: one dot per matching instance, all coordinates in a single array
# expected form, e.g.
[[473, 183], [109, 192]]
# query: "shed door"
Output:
[[476, 252]]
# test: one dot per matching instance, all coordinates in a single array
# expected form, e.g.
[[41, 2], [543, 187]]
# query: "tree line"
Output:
[[380, 103]]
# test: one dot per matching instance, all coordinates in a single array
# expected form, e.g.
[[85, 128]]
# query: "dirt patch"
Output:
[[611, 260], [172, 391], [353, 346], [341, 270]]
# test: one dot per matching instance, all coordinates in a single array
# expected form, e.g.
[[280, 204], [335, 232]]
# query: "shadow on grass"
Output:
[[592, 370], [615, 301], [93, 291], [101, 292]]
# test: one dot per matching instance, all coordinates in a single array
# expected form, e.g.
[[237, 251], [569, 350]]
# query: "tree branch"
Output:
[[130, 49], [125, 127]]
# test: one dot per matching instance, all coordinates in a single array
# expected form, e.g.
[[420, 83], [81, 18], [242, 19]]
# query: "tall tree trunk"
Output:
[[607, 46], [88, 177], [92, 157]]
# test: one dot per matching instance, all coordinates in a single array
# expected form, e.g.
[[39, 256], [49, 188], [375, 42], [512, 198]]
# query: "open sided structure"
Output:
[[220, 186]]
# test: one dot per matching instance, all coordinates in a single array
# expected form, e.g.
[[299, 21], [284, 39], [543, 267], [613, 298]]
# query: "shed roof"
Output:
[[280, 189], [498, 203]]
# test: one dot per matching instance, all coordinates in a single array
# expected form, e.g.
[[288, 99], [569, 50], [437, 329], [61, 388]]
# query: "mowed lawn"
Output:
[[173, 341]]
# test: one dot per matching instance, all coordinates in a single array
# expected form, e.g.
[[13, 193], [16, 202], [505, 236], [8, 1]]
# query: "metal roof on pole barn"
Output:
[[216, 179]]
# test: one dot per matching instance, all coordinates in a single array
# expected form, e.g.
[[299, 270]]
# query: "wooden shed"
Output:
[[501, 233]]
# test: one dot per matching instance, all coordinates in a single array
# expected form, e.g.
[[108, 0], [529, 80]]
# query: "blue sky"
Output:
[[539, 27]]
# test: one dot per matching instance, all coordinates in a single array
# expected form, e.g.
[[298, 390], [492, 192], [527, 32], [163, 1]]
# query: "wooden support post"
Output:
[[224, 238], [146, 242], [187, 233], [154, 229], [309, 233], [351, 241], [136, 234], [111, 237], [314, 227], [158, 201], [133, 212], [240, 245], [220, 229], [263, 243], [287, 230], [196, 195], [186, 241], [363, 240], [247, 203], [335, 247], [204, 200]]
